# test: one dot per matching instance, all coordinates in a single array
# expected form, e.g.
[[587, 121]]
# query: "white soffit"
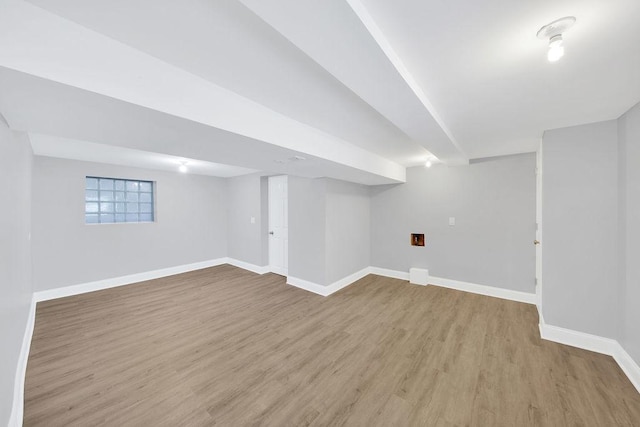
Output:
[[346, 44], [39, 43], [65, 148], [42, 106], [227, 44]]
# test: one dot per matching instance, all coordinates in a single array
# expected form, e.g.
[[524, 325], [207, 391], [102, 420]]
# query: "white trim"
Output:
[[247, 266], [628, 366], [308, 286], [474, 288], [594, 343], [277, 270], [82, 288], [394, 274], [346, 281], [539, 248], [329, 289], [519, 296], [17, 411], [577, 339]]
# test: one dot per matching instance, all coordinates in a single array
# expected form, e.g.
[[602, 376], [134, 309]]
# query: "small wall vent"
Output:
[[419, 276]]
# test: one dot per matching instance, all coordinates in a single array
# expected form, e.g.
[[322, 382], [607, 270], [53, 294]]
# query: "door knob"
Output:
[[536, 242], [271, 232]]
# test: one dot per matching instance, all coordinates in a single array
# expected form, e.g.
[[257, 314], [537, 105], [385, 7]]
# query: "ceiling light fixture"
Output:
[[553, 32], [430, 161], [183, 167], [290, 159], [556, 50]]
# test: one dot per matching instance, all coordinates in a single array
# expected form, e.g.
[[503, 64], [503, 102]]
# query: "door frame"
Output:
[[272, 181], [538, 235]]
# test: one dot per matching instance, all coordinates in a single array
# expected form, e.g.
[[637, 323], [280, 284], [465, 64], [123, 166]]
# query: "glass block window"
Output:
[[110, 200]]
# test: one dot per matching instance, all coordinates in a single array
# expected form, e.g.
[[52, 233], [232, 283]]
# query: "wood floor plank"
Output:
[[223, 346]]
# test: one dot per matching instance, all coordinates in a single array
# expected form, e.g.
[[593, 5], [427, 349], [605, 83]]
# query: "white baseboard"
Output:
[[308, 286], [490, 291], [508, 294], [277, 270], [628, 366], [594, 343], [17, 410], [329, 289], [462, 286], [346, 281], [247, 266], [394, 274], [577, 339], [124, 280]]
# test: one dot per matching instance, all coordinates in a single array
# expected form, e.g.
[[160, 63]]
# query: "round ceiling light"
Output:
[[553, 32]]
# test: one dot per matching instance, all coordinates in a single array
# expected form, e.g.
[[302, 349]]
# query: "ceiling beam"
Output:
[[39, 43], [343, 39]]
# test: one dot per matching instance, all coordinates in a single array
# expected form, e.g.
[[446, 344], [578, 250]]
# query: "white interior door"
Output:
[[278, 225], [538, 237]]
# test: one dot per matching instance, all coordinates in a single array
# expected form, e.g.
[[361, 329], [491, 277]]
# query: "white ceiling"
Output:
[[486, 73], [361, 88]]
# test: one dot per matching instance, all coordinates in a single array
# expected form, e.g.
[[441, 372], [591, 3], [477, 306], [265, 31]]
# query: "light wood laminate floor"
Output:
[[222, 346]]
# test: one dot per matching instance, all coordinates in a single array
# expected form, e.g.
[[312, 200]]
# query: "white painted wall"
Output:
[[191, 218], [348, 229], [629, 191], [493, 202], [580, 229], [15, 257], [307, 229], [329, 229], [246, 199]]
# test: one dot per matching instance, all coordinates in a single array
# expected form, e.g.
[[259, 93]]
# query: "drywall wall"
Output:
[[348, 229], [493, 203], [307, 229], [329, 229], [190, 226], [580, 232], [15, 257], [246, 199], [629, 232]]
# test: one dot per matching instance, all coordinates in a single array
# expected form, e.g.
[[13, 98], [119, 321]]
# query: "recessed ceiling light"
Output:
[[183, 167], [428, 164], [553, 32], [290, 159]]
